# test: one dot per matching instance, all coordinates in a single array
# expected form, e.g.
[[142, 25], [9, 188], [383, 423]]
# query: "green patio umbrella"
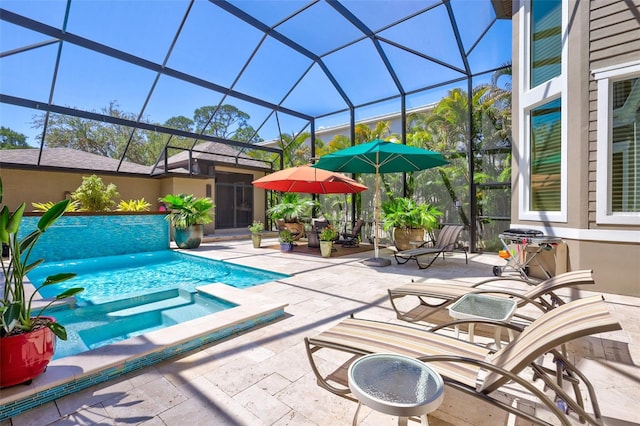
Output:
[[379, 157]]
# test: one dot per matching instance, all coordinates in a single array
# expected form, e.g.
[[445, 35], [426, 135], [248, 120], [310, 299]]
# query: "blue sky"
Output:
[[215, 46]]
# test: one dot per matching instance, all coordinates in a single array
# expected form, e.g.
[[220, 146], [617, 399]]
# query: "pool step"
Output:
[[172, 299], [130, 322], [121, 328], [80, 313], [178, 315]]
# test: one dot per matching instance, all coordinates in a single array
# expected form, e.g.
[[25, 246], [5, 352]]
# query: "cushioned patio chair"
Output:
[[476, 370], [445, 243], [430, 300], [317, 225], [351, 238]]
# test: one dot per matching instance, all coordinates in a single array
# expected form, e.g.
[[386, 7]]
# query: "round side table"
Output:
[[397, 385]]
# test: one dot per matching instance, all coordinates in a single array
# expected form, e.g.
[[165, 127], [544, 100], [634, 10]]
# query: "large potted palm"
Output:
[[188, 215], [27, 337], [291, 208], [408, 220]]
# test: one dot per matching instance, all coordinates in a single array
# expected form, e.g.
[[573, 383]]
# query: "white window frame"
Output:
[[530, 99], [605, 77]]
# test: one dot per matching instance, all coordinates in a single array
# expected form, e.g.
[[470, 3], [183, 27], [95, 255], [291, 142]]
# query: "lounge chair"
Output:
[[351, 238], [463, 365], [445, 243], [433, 298]]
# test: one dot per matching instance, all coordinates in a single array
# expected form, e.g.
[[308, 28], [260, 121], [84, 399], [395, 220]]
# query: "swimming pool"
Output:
[[130, 295], [125, 276], [93, 326]]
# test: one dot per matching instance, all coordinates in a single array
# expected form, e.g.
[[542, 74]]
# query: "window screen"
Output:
[[545, 157], [546, 40], [625, 147]]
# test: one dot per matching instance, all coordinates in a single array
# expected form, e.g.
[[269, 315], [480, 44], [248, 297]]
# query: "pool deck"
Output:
[[262, 376]]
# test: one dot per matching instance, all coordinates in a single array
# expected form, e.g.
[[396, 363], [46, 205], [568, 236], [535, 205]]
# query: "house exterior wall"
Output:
[[394, 119], [30, 185], [21, 185], [614, 40], [598, 34]]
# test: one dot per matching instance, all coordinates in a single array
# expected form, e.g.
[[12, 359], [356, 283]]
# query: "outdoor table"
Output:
[[482, 306], [397, 385]]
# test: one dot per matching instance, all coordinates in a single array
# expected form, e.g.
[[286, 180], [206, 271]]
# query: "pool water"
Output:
[[93, 326], [115, 277], [129, 295]]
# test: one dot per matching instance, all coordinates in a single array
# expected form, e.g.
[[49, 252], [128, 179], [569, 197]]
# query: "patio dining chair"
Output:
[[351, 238], [478, 371]]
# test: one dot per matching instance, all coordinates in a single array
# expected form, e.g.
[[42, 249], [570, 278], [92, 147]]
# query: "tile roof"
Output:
[[219, 153], [69, 158]]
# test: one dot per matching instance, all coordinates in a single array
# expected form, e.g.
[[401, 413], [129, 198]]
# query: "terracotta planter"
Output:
[[325, 248], [256, 239], [25, 356], [403, 236], [189, 238]]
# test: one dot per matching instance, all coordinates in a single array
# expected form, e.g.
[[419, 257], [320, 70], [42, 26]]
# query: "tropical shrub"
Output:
[[286, 236], [291, 207], [256, 227], [405, 213], [328, 233], [72, 206], [93, 195], [140, 205]]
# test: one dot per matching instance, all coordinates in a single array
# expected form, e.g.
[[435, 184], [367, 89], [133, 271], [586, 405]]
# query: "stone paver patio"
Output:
[[262, 377]]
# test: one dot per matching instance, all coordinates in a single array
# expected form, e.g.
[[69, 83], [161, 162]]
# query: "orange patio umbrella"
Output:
[[309, 180]]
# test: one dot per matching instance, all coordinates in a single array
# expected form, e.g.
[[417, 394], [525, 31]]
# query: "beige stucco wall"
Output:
[[615, 265], [43, 185]]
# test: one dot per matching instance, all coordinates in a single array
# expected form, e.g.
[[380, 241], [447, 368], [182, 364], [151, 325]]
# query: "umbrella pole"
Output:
[[376, 218], [377, 260]]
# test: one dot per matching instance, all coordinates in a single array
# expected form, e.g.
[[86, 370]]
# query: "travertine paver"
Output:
[[262, 377]]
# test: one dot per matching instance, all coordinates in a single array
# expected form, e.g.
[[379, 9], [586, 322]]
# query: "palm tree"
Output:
[[447, 129]]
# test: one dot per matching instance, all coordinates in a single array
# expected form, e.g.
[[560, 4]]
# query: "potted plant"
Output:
[[187, 214], [291, 208], [27, 337], [408, 220], [286, 240], [327, 236], [256, 237]]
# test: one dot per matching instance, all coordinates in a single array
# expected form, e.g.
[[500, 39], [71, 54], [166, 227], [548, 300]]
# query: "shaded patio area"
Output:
[[263, 376]]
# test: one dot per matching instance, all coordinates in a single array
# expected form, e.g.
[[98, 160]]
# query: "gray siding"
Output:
[[614, 38]]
